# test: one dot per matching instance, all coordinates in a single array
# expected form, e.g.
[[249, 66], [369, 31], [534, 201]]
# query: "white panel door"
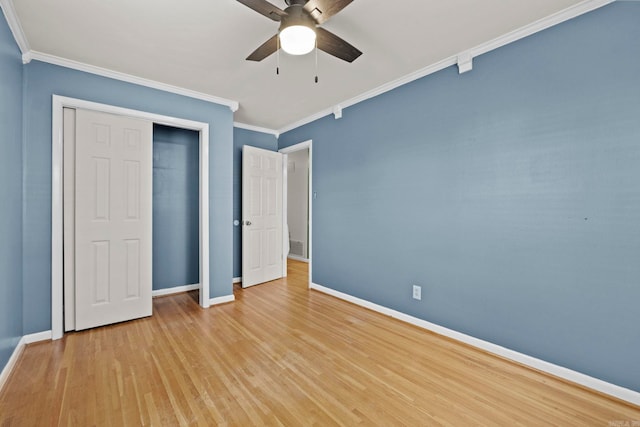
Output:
[[113, 218], [261, 216]]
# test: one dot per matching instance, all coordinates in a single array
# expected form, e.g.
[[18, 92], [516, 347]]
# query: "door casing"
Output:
[[57, 284]]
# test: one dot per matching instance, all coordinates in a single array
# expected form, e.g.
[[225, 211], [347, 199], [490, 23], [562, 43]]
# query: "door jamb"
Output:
[[297, 147], [60, 102]]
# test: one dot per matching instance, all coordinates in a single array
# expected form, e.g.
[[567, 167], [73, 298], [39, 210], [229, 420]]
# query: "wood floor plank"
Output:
[[283, 355]]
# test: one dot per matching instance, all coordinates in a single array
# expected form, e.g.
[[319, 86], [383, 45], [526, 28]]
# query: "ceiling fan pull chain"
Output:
[[278, 56], [316, 60]]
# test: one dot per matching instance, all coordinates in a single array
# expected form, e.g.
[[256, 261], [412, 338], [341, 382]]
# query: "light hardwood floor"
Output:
[[283, 355]]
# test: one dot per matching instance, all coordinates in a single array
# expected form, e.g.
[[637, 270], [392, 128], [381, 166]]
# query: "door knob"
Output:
[[247, 223]]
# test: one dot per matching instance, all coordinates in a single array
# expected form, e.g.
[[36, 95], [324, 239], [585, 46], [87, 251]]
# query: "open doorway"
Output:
[[175, 210], [297, 203]]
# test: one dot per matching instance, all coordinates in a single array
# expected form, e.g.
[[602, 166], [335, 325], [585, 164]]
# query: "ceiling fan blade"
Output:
[[322, 10], [265, 8], [335, 46], [267, 48]]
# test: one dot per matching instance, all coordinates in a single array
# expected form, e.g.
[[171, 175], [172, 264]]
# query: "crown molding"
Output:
[[540, 25], [15, 26], [337, 112], [104, 72], [465, 62], [374, 92], [256, 128], [312, 118], [423, 72], [26, 57], [464, 59]]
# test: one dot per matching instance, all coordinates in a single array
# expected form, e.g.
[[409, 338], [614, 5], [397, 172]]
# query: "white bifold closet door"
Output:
[[113, 214]]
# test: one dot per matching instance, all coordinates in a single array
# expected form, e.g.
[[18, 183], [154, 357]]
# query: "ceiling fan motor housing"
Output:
[[296, 15], [292, 2]]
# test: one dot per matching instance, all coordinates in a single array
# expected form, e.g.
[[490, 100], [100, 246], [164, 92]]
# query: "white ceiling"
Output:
[[201, 45]]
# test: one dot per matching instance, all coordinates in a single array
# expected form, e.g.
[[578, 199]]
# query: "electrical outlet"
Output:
[[417, 292]]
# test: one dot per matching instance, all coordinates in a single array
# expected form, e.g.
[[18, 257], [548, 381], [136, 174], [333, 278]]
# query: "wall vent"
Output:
[[296, 248]]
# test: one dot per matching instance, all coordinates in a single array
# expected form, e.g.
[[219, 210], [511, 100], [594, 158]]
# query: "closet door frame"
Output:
[[57, 201]]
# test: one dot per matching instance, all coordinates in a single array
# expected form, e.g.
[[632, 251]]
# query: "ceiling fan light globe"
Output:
[[297, 39]]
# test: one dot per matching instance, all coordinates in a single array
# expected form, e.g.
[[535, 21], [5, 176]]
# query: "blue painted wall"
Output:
[[510, 193], [41, 82], [10, 193], [256, 139], [176, 212]]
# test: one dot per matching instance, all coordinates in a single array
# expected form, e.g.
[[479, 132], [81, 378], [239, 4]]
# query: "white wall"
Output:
[[297, 209]]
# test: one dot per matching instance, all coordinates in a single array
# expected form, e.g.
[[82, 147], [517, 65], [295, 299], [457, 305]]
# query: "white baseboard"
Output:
[[11, 363], [222, 300], [555, 370], [39, 336], [175, 290], [298, 258], [237, 279]]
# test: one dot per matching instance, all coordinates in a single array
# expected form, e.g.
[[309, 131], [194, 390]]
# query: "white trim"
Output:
[[312, 118], [256, 128], [337, 112], [296, 147], [174, 290], [58, 103], [298, 258], [222, 300], [11, 363], [203, 181], [237, 280], [465, 62], [308, 145], [375, 92], [26, 57], [285, 213], [537, 26], [540, 25], [57, 224], [37, 337], [104, 72], [15, 27], [549, 368]]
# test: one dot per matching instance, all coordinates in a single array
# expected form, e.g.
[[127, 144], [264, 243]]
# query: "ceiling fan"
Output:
[[299, 31]]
